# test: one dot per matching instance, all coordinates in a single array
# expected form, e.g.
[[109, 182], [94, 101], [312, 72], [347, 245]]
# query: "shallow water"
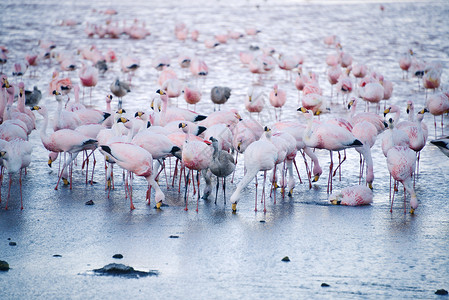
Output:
[[362, 252]]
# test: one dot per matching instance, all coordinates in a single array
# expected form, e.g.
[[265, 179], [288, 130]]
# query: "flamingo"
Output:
[[135, 160], [277, 98], [438, 105], [64, 119], [333, 74], [260, 155], [401, 162], [370, 117], [16, 155], [352, 196], [221, 165], [296, 130], [220, 95], [254, 102], [192, 95], [195, 156], [327, 136], [119, 89], [64, 140], [405, 61], [442, 144], [366, 133], [166, 74], [372, 92], [89, 78]]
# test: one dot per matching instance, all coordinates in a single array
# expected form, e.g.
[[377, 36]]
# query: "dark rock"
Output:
[[4, 266], [12, 243], [441, 292], [324, 284], [174, 236], [118, 256], [286, 259], [9, 239], [57, 255], [125, 271], [90, 202], [262, 221]]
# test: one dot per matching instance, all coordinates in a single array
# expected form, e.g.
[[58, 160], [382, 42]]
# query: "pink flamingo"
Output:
[[344, 85], [135, 160], [327, 136], [370, 117], [254, 102], [405, 61], [432, 79], [401, 162], [438, 105], [64, 140], [366, 133], [89, 78], [352, 196], [192, 95], [277, 98], [296, 130], [195, 156], [333, 74], [372, 92]]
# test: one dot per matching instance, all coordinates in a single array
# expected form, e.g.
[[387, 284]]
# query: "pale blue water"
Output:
[[362, 252]]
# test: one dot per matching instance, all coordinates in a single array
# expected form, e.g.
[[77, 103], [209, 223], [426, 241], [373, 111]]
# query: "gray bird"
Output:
[[33, 97], [119, 89], [222, 165], [219, 95]]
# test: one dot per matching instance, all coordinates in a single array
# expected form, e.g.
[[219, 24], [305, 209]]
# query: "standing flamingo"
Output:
[[16, 155], [135, 160], [401, 162], [328, 136], [222, 165], [277, 98], [261, 155]]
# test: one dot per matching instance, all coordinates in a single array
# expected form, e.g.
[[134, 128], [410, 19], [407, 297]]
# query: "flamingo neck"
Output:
[[43, 131], [21, 101]]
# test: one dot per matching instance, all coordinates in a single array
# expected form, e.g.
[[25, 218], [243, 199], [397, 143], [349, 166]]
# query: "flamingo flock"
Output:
[[146, 142]]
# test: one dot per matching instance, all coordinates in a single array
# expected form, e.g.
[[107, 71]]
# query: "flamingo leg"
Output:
[[148, 195], [20, 185], [263, 190], [297, 172], [130, 191], [224, 190], [1, 181], [216, 190], [198, 183], [93, 167], [9, 191], [236, 156], [256, 183], [329, 180], [175, 173], [186, 187]]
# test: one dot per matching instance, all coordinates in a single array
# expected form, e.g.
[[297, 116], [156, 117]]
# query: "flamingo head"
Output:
[[109, 98], [139, 114], [335, 198]]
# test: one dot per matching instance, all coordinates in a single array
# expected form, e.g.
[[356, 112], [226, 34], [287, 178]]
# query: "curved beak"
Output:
[[234, 207], [158, 205]]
